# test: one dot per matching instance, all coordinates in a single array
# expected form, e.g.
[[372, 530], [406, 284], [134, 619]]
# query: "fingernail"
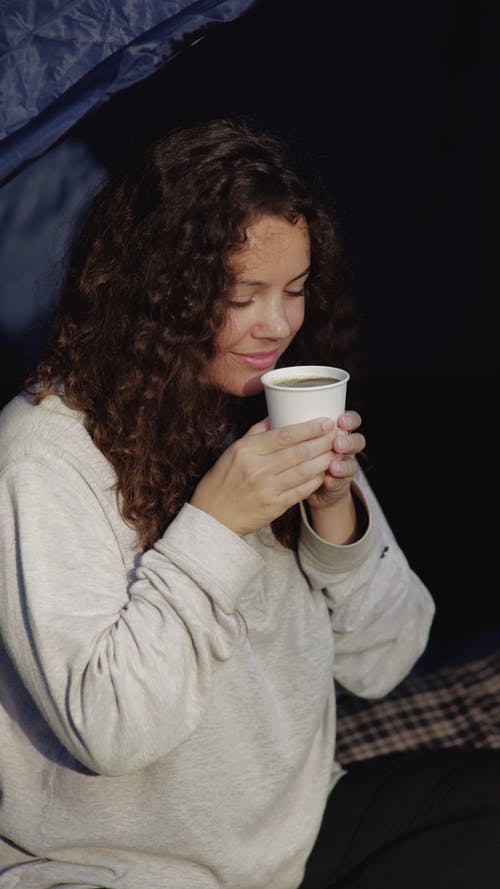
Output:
[[342, 441]]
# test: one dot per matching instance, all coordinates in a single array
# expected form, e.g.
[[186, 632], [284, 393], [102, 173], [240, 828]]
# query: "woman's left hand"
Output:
[[341, 471]]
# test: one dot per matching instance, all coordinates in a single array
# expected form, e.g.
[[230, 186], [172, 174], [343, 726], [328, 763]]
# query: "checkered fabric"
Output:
[[455, 706]]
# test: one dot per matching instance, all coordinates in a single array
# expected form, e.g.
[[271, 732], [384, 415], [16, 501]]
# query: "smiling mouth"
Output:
[[258, 360]]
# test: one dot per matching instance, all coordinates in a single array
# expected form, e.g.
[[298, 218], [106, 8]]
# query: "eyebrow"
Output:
[[259, 283]]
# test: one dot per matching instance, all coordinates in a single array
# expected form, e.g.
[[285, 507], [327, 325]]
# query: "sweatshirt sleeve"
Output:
[[380, 610], [120, 667]]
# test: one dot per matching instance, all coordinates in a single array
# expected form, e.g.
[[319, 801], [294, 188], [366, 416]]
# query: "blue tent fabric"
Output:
[[61, 60], [65, 66]]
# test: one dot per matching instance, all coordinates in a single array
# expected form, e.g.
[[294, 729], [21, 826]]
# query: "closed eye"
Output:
[[239, 304]]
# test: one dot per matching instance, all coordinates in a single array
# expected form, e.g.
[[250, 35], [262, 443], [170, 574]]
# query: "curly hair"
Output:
[[145, 294]]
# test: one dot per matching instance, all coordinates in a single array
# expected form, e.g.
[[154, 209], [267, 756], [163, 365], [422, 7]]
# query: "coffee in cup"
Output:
[[304, 392]]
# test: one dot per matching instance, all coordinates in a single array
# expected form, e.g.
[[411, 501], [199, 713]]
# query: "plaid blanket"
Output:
[[454, 706]]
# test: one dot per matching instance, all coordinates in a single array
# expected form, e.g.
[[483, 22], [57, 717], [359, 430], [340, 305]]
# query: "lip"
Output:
[[258, 360]]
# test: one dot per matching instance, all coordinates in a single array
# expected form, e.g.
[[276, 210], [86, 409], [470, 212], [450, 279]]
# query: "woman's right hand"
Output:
[[264, 473]]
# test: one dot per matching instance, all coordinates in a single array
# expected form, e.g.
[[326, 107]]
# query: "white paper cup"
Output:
[[289, 400]]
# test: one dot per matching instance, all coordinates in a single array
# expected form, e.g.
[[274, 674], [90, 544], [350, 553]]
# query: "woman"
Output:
[[180, 583]]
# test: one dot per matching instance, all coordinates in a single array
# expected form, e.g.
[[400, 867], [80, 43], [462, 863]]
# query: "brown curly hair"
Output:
[[145, 293]]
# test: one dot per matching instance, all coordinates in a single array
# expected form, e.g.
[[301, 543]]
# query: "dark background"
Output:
[[395, 104]]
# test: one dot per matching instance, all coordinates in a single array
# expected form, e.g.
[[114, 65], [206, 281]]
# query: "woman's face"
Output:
[[266, 305]]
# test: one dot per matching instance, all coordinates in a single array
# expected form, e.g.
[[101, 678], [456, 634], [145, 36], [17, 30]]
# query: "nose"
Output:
[[274, 323]]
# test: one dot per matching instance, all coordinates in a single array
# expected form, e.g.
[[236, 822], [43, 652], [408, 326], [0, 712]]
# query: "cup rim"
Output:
[[304, 370]]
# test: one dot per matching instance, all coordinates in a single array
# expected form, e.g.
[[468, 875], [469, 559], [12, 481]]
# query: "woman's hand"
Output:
[[331, 506], [342, 469], [265, 472]]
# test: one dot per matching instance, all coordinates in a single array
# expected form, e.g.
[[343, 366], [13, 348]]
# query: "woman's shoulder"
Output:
[[22, 417], [18, 423], [47, 431]]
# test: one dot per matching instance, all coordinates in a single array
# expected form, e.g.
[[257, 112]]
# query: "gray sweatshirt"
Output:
[[167, 718]]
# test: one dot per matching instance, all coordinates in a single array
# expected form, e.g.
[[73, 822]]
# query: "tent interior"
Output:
[[392, 103]]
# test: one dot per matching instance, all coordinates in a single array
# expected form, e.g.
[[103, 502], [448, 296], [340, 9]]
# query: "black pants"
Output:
[[418, 821]]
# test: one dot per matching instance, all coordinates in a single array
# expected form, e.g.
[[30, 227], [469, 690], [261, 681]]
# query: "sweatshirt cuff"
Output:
[[215, 558], [335, 558]]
